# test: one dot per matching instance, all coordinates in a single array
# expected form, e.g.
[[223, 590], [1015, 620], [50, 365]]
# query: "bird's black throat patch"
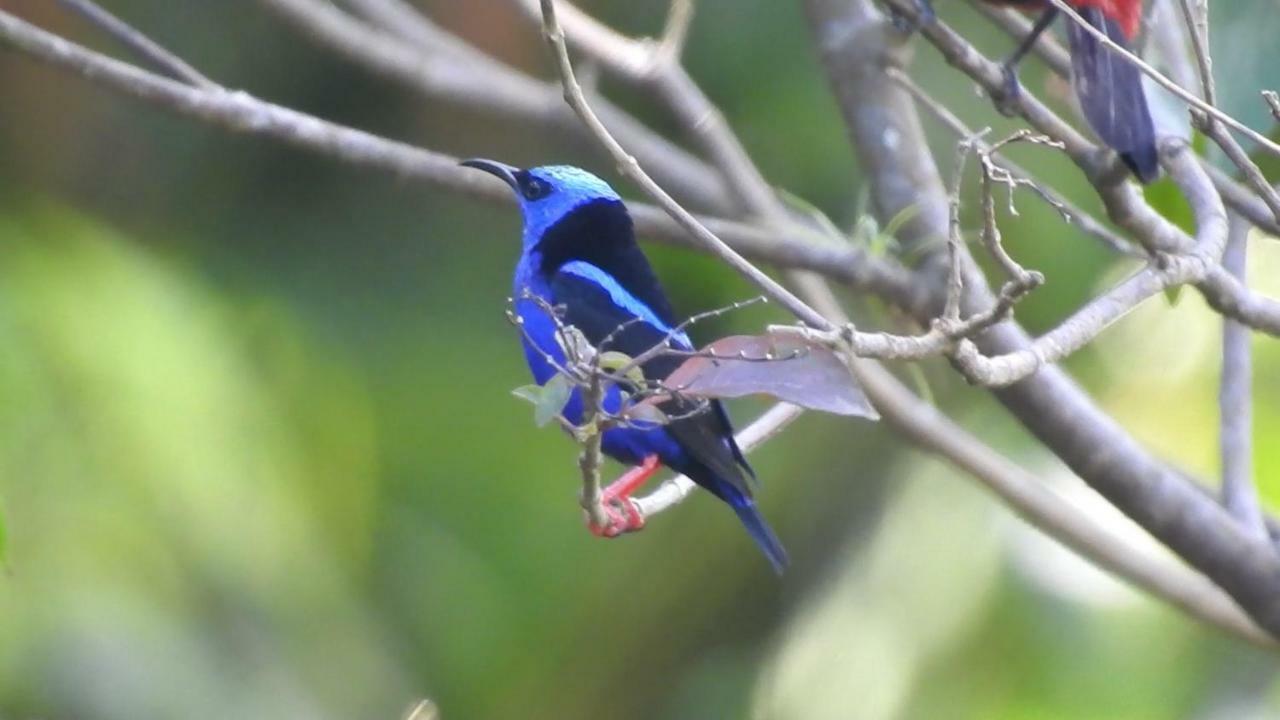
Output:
[[600, 232]]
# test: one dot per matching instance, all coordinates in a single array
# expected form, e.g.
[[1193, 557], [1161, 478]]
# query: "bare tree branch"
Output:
[[589, 457], [1027, 495], [1241, 200], [1272, 99], [853, 39], [931, 430], [1235, 402]]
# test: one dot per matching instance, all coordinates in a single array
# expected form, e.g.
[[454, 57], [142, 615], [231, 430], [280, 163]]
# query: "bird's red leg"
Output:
[[624, 516]]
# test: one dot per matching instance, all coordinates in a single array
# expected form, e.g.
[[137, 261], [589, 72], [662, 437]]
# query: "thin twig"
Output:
[[1272, 99], [676, 31], [1248, 168], [1243, 200], [591, 436], [1086, 323], [991, 237], [955, 237], [144, 47], [1086, 222], [1197, 21]]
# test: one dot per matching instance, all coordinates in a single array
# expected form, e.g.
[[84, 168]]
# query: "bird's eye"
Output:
[[535, 189]]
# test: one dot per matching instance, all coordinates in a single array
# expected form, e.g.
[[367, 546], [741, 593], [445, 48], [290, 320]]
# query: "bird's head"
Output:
[[549, 193]]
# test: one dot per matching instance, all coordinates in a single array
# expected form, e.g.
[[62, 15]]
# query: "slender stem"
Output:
[[144, 47], [589, 457], [1086, 222], [1197, 21]]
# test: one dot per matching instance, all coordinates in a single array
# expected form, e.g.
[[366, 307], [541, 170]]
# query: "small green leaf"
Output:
[[554, 396], [904, 216], [1171, 294], [614, 361], [529, 393]]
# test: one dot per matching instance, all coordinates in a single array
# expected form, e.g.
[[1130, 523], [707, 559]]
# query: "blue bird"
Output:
[[579, 254]]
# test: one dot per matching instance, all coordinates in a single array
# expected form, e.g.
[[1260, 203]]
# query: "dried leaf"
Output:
[[785, 367]]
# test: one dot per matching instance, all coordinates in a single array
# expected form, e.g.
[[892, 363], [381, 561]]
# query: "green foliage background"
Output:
[[259, 456]]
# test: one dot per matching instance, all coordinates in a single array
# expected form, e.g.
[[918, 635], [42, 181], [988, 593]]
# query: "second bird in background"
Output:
[[1108, 87]]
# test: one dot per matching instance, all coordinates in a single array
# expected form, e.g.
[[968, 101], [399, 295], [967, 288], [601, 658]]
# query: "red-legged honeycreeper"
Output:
[[579, 254]]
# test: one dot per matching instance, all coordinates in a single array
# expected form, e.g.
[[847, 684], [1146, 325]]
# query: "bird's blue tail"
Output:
[[760, 532]]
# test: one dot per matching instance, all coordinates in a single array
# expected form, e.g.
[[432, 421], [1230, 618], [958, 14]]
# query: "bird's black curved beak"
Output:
[[502, 171]]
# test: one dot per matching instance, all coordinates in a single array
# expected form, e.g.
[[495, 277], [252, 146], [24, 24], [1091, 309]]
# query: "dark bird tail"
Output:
[[1110, 92], [760, 532]]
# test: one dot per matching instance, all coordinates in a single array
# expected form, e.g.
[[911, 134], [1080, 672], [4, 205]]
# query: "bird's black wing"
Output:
[[602, 310], [1109, 88]]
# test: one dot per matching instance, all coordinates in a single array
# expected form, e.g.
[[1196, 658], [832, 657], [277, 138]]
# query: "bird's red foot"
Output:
[[621, 513]]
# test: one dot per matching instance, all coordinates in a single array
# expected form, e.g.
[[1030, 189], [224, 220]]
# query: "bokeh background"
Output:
[[259, 455]]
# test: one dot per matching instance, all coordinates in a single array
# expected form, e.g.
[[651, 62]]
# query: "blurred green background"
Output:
[[259, 456]]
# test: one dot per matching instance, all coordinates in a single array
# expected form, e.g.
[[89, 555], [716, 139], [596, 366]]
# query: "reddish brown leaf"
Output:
[[786, 368]]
